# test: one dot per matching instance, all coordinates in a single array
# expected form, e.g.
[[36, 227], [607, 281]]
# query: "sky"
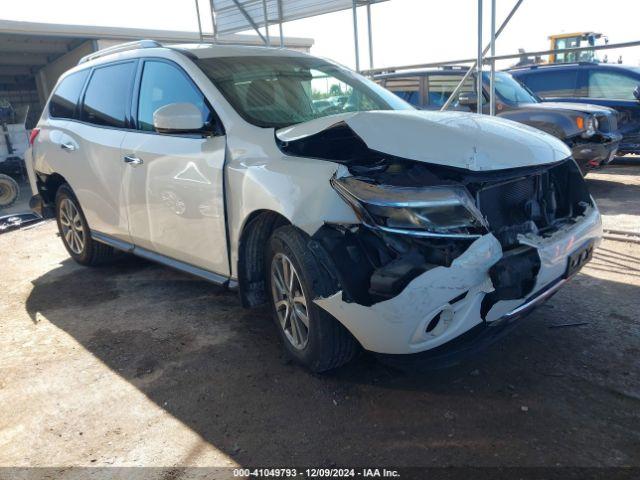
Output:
[[404, 31]]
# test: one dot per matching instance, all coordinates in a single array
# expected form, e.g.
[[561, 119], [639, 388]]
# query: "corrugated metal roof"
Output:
[[230, 19]]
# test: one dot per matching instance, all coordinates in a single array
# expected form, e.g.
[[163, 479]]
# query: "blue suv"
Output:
[[611, 85]]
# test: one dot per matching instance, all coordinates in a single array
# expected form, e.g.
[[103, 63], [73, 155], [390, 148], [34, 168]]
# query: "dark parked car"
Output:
[[610, 85], [590, 131]]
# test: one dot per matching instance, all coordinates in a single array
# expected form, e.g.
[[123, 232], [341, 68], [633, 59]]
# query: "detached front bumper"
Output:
[[594, 154], [452, 297]]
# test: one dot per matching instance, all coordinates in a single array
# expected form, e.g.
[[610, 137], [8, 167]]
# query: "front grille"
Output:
[[506, 203], [538, 203]]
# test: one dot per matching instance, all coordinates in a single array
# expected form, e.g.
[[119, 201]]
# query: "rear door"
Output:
[[94, 160], [51, 150], [174, 189]]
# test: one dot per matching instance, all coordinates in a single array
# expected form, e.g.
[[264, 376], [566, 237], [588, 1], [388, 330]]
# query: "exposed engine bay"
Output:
[[417, 216]]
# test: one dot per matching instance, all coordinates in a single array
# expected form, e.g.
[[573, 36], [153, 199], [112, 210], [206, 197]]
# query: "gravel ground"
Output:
[[137, 365]]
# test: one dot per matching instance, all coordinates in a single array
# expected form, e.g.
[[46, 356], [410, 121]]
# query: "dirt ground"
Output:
[[138, 365]]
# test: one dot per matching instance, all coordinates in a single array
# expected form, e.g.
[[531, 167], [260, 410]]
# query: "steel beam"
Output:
[[370, 35], [250, 20], [492, 78], [266, 22], [610, 46], [464, 78], [199, 22], [280, 23], [213, 21], [355, 34], [479, 61]]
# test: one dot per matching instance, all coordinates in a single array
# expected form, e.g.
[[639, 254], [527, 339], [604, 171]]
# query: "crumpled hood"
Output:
[[575, 107], [455, 139]]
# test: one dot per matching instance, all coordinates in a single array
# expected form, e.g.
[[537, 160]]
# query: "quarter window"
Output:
[[161, 85], [64, 99], [106, 99], [612, 85]]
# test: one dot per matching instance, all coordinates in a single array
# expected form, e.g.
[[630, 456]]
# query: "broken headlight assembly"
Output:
[[589, 124], [433, 211]]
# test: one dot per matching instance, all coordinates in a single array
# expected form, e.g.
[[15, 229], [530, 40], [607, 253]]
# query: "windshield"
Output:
[[280, 91], [511, 91]]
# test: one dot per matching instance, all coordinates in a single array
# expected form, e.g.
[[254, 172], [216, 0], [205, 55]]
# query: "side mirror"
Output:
[[468, 99], [178, 118], [636, 92]]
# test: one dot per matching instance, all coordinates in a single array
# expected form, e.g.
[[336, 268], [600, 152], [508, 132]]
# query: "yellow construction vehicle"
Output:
[[573, 40]]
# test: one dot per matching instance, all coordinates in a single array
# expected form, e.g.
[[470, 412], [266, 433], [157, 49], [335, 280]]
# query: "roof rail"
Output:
[[122, 47]]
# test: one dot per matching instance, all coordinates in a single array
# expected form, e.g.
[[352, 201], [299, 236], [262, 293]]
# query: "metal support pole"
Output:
[[266, 22], [213, 21], [479, 60], [280, 23], [355, 35], [486, 49], [199, 23], [492, 79], [370, 35]]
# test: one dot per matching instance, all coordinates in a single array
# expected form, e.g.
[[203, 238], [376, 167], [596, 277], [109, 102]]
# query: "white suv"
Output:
[[363, 222]]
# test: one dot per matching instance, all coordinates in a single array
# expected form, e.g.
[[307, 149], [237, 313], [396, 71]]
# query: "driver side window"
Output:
[[162, 84]]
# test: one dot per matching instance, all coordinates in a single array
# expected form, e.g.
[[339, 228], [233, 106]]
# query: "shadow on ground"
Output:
[[543, 396]]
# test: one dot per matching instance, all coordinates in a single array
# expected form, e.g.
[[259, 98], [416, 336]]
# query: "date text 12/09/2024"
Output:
[[315, 473]]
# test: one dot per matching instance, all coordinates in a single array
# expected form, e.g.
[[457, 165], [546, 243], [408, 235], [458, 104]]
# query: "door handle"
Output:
[[132, 160], [68, 146]]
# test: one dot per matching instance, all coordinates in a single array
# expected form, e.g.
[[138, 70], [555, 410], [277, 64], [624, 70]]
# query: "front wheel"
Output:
[[75, 232], [310, 335]]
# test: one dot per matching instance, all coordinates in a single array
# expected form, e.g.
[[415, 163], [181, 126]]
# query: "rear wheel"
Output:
[[9, 191], [310, 335], [75, 232]]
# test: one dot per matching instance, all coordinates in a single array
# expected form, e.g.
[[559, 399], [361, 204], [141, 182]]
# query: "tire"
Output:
[[328, 344], [75, 232], [9, 191]]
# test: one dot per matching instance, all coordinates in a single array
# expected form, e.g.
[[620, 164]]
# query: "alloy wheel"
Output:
[[290, 301], [71, 223]]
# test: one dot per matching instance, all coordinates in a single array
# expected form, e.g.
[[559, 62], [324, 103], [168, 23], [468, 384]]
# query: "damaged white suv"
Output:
[[363, 222]]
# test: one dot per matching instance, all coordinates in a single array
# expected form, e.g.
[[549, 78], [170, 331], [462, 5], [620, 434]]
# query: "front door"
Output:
[[174, 182]]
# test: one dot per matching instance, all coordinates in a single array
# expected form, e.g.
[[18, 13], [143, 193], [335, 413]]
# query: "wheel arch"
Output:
[[48, 186], [254, 235]]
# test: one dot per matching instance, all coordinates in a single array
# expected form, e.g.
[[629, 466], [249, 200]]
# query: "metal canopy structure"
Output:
[[239, 15], [232, 16]]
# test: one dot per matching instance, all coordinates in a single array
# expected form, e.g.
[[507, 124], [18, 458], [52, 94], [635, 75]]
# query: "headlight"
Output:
[[418, 211], [590, 125]]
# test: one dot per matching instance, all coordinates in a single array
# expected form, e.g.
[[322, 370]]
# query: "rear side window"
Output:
[[613, 85], [441, 86], [407, 88], [551, 83], [107, 96], [64, 99], [161, 85]]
